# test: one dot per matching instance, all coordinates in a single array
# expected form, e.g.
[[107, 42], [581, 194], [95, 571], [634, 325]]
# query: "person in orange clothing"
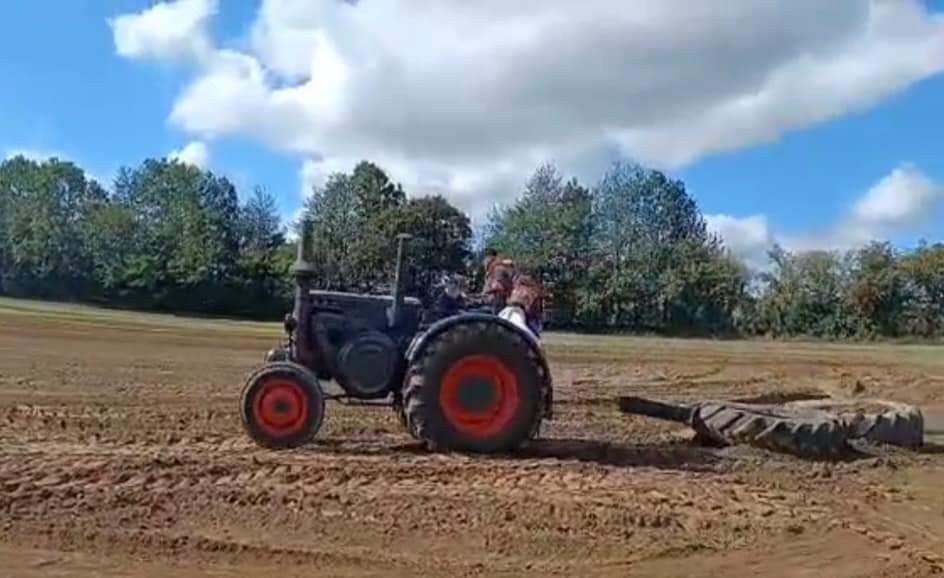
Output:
[[514, 296], [499, 279], [525, 305]]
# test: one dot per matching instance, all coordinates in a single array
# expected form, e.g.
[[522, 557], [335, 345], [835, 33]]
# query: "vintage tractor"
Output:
[[469, 382]]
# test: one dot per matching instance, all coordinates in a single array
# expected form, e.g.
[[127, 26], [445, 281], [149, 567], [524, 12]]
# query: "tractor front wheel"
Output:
[[282, 405], [478, 387]]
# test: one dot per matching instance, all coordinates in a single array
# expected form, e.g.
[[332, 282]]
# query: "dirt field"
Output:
[[121, 454]]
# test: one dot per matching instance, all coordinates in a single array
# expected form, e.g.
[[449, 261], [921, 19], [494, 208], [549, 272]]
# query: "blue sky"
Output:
[[64, 88], [810, 177]]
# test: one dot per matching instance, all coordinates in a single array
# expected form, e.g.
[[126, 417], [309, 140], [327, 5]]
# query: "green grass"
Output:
[[587, 348], [89, 315], [602, 348]]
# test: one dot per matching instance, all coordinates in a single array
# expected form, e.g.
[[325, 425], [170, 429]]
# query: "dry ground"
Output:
[[121, 454]]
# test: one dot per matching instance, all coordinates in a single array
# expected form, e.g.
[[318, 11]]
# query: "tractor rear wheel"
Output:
[[282, 405], [478, 387]]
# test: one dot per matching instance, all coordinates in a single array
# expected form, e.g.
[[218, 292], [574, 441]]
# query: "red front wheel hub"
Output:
[[280, 408], [479, 396]]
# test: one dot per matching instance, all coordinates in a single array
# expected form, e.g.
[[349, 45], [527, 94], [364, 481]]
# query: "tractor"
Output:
[[468, 382]]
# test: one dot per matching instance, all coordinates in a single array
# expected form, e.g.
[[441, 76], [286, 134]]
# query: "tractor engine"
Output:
[[356, 346]]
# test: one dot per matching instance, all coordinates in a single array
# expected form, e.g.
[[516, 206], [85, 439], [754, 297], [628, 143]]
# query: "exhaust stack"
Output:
[[393, 313], [304, 269]]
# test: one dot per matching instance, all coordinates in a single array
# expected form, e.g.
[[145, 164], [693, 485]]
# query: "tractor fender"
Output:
[[422, 340]]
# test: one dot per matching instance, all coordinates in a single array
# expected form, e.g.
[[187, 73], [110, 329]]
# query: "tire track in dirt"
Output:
[[180, 497], [150, 491], [129, 446]]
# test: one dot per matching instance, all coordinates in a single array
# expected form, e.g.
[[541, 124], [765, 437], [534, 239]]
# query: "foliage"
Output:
[[356, 218], [631, 253], [44, 225], [548, 231], [876, 290], [169, 237], [441, 234], [806, 296], [923, 279]]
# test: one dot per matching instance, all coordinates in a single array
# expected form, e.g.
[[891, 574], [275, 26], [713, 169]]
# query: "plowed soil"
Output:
[[121, 454]]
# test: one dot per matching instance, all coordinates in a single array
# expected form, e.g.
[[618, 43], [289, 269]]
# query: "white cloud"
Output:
[[195, 153], [404, 83], [166, 30], [473, 189], [899, 203], [892, 45], [901, 198], [285, 34], [747, 237], [314, 173]]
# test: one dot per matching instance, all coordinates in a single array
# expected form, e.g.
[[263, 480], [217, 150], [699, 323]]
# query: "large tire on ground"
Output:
[[282, 405], [809, 428], [800, 431], [874, 420], [477, 387]]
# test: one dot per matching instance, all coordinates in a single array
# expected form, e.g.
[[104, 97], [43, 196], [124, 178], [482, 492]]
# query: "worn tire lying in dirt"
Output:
[[811, 428], [874, 420], [810, 433]]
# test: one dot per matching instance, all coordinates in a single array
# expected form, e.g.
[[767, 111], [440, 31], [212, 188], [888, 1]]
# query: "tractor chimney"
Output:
[[304, 269], [393, 314], [304, 264]]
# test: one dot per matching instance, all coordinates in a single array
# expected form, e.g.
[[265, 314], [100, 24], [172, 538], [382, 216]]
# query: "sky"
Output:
[[805, 123]]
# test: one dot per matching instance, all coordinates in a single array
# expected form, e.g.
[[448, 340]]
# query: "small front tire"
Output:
[[282, 405]]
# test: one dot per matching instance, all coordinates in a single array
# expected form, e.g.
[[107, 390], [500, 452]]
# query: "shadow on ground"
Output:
[[669, 455], [931, 448], [680, 455]]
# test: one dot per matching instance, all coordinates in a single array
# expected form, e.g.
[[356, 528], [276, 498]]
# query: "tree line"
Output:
[[630, 253], [168, 237]]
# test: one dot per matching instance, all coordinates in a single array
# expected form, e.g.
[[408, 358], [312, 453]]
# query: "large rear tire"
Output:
[[282, 405], [478, 387]]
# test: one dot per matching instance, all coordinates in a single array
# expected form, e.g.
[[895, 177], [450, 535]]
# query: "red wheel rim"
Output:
[[280, 408], [479, 395]]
